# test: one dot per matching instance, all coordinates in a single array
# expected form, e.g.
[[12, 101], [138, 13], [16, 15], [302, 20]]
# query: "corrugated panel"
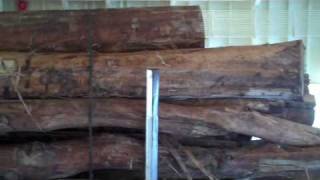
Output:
[[298, 20], [142, 3], [219, 21], [1, 5], [278, 18], [180, 2], [313, 41], [261, 22], [84, 4], [9, 5], [44, 5], [242, 23]]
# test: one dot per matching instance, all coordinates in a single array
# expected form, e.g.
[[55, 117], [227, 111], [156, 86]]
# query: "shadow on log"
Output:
[[67, 158]]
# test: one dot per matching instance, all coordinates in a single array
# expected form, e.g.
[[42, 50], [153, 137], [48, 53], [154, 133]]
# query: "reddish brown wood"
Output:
[[114, 30], [63, 159], [189, 119], [267, 71], [51, 115]]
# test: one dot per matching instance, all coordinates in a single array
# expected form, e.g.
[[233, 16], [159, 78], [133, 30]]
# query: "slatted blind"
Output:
[[229, 22]]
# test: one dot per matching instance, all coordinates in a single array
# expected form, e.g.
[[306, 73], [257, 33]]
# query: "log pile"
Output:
[[211, 100]]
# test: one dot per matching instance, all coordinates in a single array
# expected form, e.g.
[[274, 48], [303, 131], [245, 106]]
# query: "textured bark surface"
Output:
[[62, 159], [267, 71], [186, 119], [113, 30], [62, 114]]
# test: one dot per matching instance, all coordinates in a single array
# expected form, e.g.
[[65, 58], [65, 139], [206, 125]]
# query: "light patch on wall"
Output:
[[315, 90], [257, 2], [7, 67]]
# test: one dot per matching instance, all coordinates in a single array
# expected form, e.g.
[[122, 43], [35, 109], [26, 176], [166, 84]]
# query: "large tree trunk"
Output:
[[191, 120], [114, 30], [267, 71], [62, 159]]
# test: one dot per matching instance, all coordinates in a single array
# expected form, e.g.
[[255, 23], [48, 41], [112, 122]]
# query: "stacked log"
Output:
[[266, 71], [211, 100], [178, 120], [66, 158], [114, 30]]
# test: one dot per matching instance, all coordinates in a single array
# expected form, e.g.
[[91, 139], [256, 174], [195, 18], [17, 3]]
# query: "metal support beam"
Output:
[[152, 124]]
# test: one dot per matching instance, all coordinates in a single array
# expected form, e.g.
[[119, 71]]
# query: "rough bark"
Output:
[[267, 71], [114, 30], [186, 119], [63, 159], [48, 115]]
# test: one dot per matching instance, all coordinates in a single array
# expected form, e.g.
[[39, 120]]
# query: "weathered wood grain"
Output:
[[62, 159], [265, 71], [190, 120], [113, 30], [48, 115]]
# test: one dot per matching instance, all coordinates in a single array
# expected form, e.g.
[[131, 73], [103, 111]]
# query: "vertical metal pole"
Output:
[[152, 108]]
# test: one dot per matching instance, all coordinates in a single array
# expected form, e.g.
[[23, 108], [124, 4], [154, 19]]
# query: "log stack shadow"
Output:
[[212, 100]]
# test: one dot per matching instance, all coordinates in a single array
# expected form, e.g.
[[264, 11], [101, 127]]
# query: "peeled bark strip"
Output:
[[269, 128], [67, 158], [196, 120], [295, 111], [267, 71], [114, 30]]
